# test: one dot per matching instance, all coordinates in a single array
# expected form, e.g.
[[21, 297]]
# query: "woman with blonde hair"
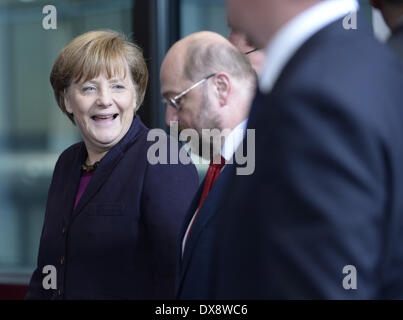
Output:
[[112, 219]]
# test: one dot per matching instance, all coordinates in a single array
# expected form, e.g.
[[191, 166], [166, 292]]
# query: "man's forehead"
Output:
[[170, 82], [173, 61], [171, 72], [172, 69]]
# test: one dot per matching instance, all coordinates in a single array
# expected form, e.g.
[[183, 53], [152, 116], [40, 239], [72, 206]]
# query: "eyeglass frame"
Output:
[[173, 101], [251, 51]]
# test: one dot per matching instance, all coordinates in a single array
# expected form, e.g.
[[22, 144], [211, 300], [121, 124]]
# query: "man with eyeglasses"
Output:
[[207, 85]]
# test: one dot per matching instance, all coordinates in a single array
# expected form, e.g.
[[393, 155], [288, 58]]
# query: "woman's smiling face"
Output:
[[103, 109]]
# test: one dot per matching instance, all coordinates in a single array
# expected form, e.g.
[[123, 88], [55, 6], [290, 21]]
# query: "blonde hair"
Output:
[[92, 53]]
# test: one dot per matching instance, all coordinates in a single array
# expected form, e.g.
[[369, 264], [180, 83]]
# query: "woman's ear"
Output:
[[222, 82], [67, 102], [136, 106]]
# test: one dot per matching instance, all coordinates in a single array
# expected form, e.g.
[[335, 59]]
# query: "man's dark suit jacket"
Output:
[[120, 241], [200, 244], [396, 42], [327, 191]]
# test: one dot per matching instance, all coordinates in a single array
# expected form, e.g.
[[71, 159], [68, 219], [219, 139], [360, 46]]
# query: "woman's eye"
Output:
[[118, 86], [88, 89]]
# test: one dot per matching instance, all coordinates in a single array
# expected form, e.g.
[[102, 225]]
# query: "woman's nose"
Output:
[[104, 98]]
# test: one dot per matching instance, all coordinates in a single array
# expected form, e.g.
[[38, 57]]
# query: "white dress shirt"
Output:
[[296, 32], [233, 140]]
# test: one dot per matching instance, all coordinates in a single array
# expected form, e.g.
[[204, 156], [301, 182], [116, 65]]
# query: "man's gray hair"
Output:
[[204, 58]]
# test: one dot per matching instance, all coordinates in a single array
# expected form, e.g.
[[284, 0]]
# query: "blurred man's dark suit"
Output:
[[328, 186], [396, 41]]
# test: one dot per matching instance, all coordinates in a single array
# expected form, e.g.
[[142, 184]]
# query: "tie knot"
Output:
[[215, 165]]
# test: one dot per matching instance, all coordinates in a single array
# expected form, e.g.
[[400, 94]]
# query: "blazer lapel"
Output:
[[96, 182], [106, 166], [189, 215], [211, 205], [72, 182], [255, 104], [185, 224]]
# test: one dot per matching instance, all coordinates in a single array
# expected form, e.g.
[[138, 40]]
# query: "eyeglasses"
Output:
[[251, 51], [174, 102]]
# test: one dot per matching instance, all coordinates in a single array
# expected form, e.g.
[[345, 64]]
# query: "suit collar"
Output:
[[73, 179], [209, 209], [302, 27], [190, 212], [106, 166], [124, 143]]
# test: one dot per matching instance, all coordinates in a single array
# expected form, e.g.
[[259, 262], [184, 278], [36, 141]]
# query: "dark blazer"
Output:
[[197, 255], [327, 189], [396, 42], [120, 241]]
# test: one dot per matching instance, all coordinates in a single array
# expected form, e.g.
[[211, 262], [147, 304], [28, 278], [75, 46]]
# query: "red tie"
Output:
[[211, 176]]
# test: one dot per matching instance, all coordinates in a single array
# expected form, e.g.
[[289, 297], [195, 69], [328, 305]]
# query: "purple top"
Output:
[[85, 179]]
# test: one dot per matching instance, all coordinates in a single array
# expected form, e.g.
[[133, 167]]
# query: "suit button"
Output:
[[59, 292], [62, 260]]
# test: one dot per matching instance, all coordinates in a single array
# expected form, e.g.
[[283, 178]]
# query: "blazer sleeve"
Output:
[[167, 193]]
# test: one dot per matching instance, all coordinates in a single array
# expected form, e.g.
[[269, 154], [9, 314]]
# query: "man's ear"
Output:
[[223, 86]]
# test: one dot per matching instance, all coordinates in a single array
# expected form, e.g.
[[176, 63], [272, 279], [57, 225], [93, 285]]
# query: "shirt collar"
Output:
[[280, 49], [233, 140]]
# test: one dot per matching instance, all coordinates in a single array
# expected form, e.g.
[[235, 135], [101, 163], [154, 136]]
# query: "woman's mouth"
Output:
[[104, 118]]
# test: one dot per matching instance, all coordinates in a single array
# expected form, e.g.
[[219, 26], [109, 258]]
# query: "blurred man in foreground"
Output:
[[322, 215]]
